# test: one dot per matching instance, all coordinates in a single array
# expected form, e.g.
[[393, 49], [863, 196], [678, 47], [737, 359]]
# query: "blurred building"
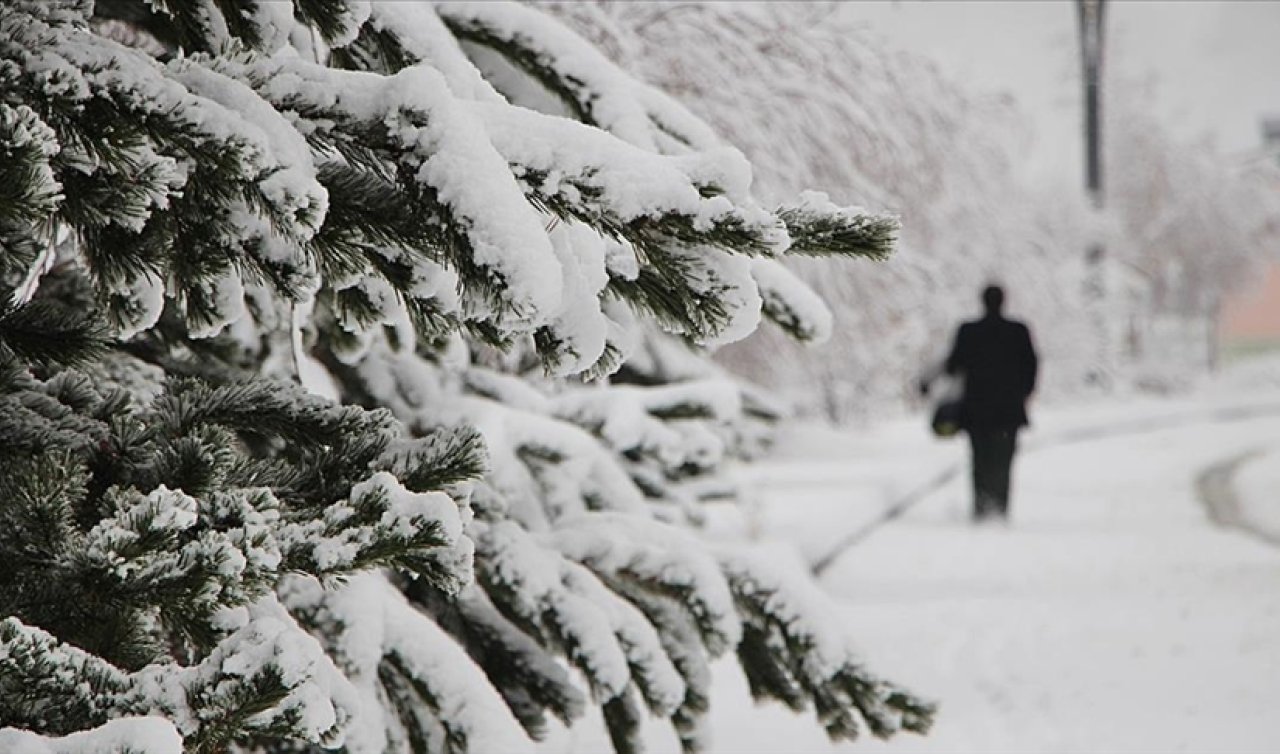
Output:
[[1251, 318]]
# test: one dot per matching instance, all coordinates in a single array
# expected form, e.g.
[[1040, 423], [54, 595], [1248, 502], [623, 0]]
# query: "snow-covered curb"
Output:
[[1257, 489]]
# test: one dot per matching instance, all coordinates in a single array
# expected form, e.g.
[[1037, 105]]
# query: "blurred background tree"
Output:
[[866, 121]]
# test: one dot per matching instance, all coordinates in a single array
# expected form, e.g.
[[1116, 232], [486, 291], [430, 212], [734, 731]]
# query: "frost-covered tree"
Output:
[[351, 395], [1190, 225]]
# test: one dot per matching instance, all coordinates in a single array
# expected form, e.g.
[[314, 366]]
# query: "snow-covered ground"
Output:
[[1257, 487], [1111, 615]]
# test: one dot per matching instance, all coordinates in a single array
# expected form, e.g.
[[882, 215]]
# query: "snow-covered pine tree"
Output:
[[296, 448]]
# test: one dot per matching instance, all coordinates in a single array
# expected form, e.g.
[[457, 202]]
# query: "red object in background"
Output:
[[1253, 314]]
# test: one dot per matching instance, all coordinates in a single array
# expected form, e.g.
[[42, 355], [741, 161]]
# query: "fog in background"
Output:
[[1212, 64]]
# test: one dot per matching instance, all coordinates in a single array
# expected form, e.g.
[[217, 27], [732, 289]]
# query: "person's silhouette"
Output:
[[995, 357]]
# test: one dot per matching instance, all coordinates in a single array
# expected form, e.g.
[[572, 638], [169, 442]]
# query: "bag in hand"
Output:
[[947, 407], [946, 418]]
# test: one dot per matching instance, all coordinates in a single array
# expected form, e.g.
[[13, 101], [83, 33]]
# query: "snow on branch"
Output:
[[790, 303], [400, 34], [623, 191], [794, 650], [659, 558], [818, 227], [410, 122], [417, 689], [593, 87], [266, 676], [335, 192]]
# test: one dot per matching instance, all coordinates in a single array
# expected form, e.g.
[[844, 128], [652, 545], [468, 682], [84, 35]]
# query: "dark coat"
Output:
[[998, 363]]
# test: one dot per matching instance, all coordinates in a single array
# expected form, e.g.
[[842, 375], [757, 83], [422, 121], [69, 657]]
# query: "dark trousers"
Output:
[[992, 465]]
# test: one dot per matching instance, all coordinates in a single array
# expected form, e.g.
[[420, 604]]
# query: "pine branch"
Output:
[[29, 192], [522, 52], [788, 655], [819, 231], [438, 459], [530, 679], [45, 332]]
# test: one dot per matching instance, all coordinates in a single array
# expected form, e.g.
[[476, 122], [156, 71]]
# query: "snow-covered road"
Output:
[[1113, 615]]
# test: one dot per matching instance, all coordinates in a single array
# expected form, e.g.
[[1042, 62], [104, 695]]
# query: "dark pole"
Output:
[[1090, 15]]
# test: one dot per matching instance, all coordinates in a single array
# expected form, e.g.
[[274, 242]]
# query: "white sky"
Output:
[[1216, 64]]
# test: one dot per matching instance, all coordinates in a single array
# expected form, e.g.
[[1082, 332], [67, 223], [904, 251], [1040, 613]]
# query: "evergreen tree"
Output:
[[349, 398]]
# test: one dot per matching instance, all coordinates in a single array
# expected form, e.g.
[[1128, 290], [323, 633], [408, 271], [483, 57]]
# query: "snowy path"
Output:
[[1112, 616]]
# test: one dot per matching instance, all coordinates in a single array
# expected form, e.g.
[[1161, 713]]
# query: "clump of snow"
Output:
[[507, 389], [819, 202], [661, 683], [534, 577], [585, 469], [226, 301], [147, 292], [318, 702], [620, 259], [163, 511], [579, 326], [335, 544], [627, 417], [795, 602], [420, 30], [728, 278], [790, 300], [311, 374]]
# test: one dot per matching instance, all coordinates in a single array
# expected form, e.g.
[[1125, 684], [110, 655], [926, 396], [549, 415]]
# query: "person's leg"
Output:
[[1003, 446], [980, 446]]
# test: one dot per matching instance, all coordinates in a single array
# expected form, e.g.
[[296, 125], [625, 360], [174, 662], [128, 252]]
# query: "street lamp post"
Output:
[[1090, 14]]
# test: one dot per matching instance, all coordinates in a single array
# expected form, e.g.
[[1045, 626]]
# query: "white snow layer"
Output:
[[1110, 615], [319, 701], [139, 735]]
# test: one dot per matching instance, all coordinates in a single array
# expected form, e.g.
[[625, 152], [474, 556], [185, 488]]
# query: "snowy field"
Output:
[[1111, 615]]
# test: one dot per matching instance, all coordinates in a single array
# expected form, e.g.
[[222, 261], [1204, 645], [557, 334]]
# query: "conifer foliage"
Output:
[[349, 394]]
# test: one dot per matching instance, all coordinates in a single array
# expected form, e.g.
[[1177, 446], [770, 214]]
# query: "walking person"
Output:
[[998, 364]]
